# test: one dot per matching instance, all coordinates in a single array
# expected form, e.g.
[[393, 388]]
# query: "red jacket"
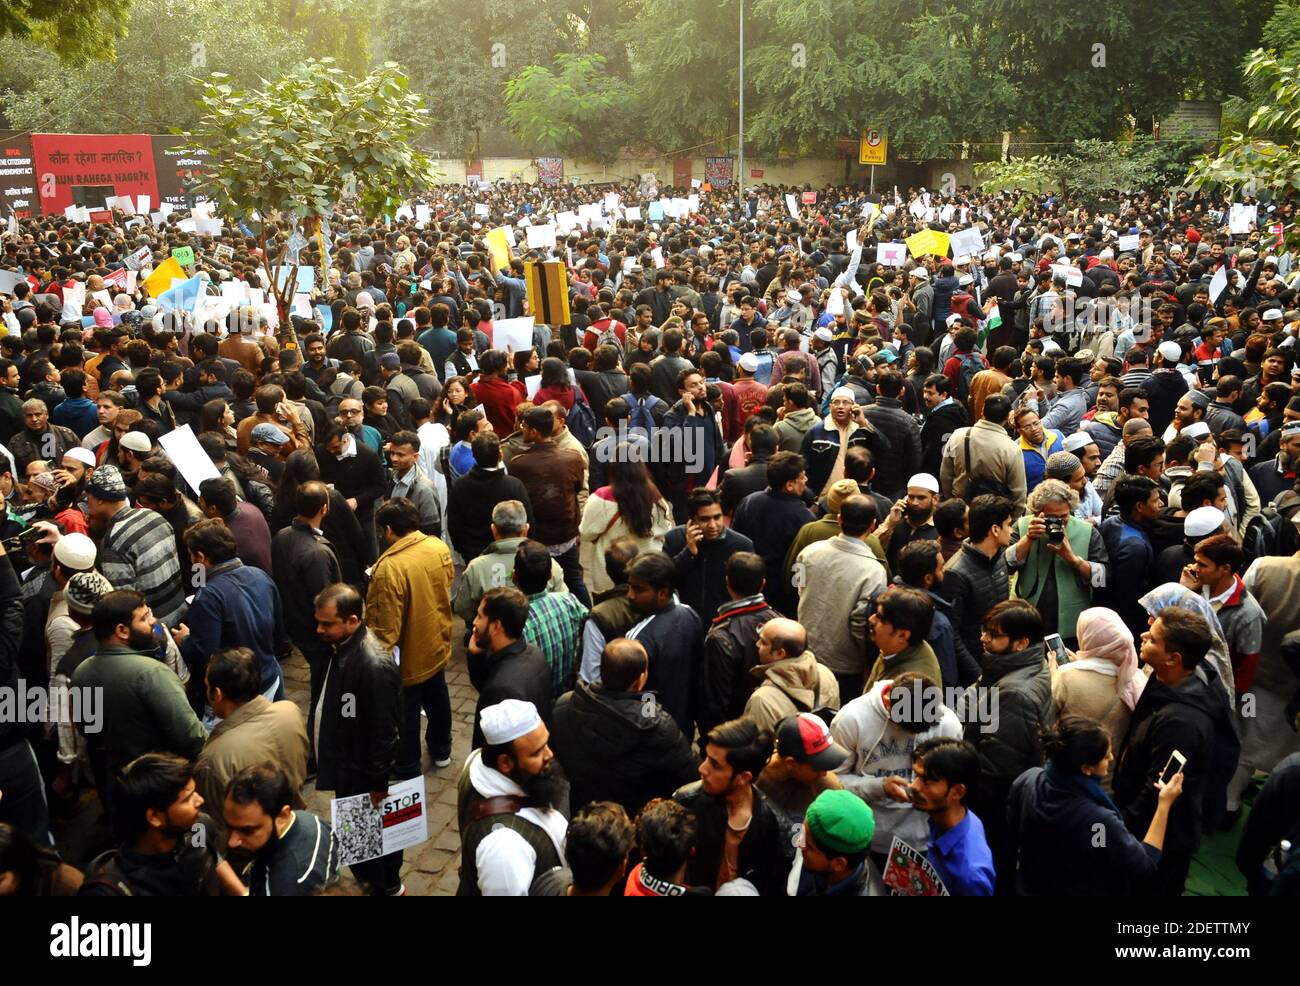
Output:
[[499, 401]]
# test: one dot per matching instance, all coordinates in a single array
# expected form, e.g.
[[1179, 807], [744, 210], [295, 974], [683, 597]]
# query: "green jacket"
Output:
[[1073, 594], [919, 658], [143, 708], [492, 570]]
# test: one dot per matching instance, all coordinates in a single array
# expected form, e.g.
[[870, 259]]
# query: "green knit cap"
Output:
[[841, 822]]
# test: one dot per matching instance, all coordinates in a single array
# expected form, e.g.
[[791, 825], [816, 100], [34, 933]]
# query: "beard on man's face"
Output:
[[547, 789], [142, 640]]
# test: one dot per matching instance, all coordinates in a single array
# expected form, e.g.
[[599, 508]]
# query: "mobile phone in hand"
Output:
[[1056, 647], [1174, 765]]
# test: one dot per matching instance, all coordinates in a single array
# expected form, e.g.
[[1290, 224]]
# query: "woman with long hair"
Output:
[[631, 506], [555, 384], [456, 396], [217, 416], [1063, 831]]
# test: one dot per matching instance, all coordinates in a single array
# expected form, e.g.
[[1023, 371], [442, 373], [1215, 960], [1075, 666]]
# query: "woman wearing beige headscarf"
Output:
[[1102, 684]]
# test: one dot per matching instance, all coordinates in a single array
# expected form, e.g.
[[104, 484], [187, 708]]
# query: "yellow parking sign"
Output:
[[872, 147]]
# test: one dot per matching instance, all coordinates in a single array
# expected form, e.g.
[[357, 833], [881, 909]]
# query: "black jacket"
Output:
[[11, 634], [904, 459], [938, 428], [766, 852], [1052, 833], [619, 746], [702, 577], [359, 738], [303, 563], [1164, 388], [1193, 719], [730, 651], [1008, 744], [973, 583], [821, 447], [517, 670], [470, 503], [739, 483]]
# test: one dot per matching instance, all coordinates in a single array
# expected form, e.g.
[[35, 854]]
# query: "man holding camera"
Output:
[[1060, 558]]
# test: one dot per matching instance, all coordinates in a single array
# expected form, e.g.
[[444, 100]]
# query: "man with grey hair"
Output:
[[1059, 558], [1113, 468], [38, 438], [493, 567]]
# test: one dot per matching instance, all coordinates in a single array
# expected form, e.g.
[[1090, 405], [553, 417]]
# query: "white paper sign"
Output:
[[74, 295], [792, 204], [513, 333], [188, 455], [157, 218], [1073, 275], [142, 205], [891, 254], [8, 280], [1127, 243], [541, 237], [851, 239], [480, 209], [130, 281], [365, 832], [632, 214], [968, 241], [1217, 283], [423, 214], [533, 384], [835, 301], [1240, 218]]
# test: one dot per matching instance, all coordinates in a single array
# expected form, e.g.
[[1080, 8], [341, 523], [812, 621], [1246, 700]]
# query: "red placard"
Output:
[[755, 172], [60, 161], [809, 198], [102, 216]]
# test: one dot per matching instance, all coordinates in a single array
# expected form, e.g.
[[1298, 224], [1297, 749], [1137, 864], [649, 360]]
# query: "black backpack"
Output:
[[581, 420]]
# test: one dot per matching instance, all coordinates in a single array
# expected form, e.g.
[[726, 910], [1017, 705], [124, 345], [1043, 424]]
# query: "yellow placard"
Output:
[[928, 241], [163, 275], [548, 291], [498, 245], [873, 146]]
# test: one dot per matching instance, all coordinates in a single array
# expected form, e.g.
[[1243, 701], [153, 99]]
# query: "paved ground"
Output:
[[428, 870]]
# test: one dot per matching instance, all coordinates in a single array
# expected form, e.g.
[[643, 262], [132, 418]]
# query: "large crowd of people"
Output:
[[778, 570]]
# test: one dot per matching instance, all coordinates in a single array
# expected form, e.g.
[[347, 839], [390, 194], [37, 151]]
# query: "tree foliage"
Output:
[[147, 86], [1264, 159], [1092, 169], [565, 110], [78, 33], [293, 145]]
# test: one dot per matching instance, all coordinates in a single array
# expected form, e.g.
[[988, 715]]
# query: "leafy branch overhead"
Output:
[[295, 145], [1265, 159]]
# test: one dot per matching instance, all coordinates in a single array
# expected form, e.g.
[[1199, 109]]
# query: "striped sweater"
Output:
[[139, 552]]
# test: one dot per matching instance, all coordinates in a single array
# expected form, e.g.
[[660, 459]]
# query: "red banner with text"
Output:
[[62, 161]]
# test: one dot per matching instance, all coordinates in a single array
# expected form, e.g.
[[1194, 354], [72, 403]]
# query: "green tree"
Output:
[[293, 146], [564, 111], [78, 33], [462, 83], [1264, 158], [147, 86]]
